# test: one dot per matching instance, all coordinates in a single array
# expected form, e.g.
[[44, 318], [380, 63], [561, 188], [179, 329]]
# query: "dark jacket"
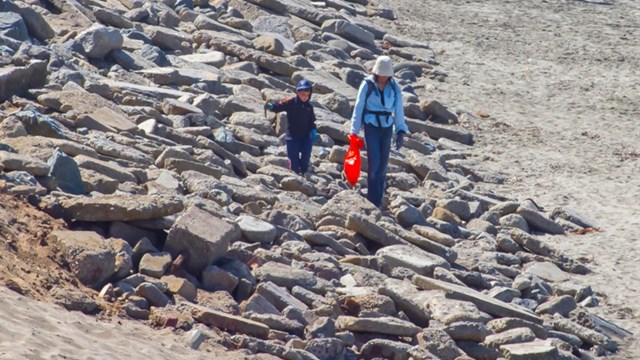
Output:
[[300, 116]]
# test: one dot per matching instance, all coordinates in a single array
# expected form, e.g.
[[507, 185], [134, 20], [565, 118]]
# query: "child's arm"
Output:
[[279, 106]]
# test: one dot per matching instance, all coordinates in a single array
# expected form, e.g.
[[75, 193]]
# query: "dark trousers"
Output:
[[299, 153], [378, 141]]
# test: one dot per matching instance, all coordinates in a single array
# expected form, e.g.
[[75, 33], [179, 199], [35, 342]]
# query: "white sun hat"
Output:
[[383, 66]]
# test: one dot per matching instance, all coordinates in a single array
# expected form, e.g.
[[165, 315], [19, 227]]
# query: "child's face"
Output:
[[303, 94]]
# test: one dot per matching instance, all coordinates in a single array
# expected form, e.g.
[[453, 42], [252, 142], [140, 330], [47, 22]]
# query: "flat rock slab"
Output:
[[383, 325], [483, 302], [547, 271], [534, 350], [410, 257], [120, 207], [230, 322]]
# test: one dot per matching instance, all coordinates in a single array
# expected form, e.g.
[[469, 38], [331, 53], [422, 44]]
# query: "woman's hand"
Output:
[[399, 140]]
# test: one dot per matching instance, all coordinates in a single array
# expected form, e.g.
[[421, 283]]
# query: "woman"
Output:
[[378, 109], [301, 131]]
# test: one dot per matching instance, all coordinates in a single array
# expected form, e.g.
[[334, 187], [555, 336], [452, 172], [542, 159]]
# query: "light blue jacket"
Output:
[[392, 103]]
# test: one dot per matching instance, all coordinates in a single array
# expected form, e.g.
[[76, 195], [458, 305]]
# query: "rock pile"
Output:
[[140, 123]]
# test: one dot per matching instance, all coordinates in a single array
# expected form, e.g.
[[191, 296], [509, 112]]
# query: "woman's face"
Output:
[[383, 79], [304, 94]]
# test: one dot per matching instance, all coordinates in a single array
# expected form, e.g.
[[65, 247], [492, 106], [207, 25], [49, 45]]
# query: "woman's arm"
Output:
[[400, 124], [358, 108]]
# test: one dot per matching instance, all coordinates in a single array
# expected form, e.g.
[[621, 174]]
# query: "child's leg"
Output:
[[293, 149], [305, 154]]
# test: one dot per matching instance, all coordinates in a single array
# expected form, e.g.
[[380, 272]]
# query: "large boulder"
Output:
[[89, 256], [97, 41], [204, 238], [15, 80]]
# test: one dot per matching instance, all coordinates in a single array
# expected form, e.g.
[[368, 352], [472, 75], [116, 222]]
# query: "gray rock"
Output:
[[112, 18], [191, 233], [513, 336], [258, 304], [448, 311], [91, 259], [287, 276], [36, 23], [439, 343], [279, 296], [407, 299], [18, 162], [439, 131], [447, 276], [546, 271], [214, 279], [365, 226], [562, 305], [143, 246], [412, 258], [506, 244], [74, 300], [152, 294], [483, 302], [537, 219], [315, 238], [97, 41], [326, 349], [386, 349], [534, 350], [514, 221], [13, 26], [456, 206], [180, 286], [404, 42], [435, 235], [423, 243], [322, 328], [568, 338], [229, 322], [155, 264], [65, 170], [168, 39], [467, 331], [508, 323], [572, 216], [382, 325], [119, 207], [585, 334], [504, 294], [256, 230], [479, 351], [12, 127], [279, 322]]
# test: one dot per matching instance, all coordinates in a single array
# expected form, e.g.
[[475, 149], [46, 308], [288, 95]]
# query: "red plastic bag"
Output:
[[352, 159]]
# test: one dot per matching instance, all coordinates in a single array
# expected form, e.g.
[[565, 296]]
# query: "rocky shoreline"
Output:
[[140, 124]]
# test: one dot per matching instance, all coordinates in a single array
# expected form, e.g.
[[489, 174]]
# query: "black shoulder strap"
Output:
[[370, 87]]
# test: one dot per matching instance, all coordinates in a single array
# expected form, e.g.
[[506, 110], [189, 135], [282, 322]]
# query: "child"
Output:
[[301, 130]]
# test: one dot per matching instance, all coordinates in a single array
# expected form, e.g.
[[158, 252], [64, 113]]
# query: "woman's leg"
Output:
[[378, 142]]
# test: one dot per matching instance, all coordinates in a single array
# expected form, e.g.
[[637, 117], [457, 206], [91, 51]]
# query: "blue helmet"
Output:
[[304, 85]]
